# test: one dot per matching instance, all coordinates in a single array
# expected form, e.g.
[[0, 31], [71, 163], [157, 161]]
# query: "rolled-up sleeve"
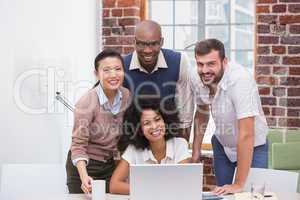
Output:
[[184, 95], [245, 98]]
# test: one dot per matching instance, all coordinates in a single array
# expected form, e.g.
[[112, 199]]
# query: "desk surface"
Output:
[[281, 196]]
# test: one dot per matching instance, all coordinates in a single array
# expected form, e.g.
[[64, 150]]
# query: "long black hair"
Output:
[[131, 129], [105, 54]]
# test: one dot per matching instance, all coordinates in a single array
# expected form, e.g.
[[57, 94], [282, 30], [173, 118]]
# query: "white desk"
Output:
[[281, 196]]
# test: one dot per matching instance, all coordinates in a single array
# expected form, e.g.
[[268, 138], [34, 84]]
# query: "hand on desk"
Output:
[[226, 189], [86, 184]]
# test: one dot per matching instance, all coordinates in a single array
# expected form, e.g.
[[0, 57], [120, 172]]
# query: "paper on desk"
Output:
[[247, 196], [117, 197]]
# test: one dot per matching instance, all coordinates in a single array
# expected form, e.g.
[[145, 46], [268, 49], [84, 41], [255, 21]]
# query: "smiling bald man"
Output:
[[153, 70]]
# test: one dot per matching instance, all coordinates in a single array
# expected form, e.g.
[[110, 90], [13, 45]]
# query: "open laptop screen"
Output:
[[166, 182]]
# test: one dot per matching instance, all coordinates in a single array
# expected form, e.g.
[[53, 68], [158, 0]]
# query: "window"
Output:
[[185, 22]]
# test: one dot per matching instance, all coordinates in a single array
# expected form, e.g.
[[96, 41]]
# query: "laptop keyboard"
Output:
[[210, 196]]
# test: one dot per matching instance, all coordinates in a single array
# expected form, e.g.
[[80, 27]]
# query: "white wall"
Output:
[[58, 39]]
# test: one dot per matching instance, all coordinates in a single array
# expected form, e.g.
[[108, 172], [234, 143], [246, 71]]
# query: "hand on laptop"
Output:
[[226, 189]]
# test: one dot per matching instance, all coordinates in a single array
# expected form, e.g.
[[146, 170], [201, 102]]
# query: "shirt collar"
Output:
[[135, 63], [148, 155], [103, 100]]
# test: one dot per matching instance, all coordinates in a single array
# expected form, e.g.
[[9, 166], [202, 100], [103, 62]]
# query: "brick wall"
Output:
[[209, 181], [119, 18], [278, 61]]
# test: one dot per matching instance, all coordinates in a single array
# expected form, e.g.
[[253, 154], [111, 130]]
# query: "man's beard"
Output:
[[216, 79]]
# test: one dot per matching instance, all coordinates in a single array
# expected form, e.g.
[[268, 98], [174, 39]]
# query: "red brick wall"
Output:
[[278, 61], [209, 181], [119, 18]]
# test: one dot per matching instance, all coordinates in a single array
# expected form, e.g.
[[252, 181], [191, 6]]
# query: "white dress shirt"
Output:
[[176, 151], [236, 98]]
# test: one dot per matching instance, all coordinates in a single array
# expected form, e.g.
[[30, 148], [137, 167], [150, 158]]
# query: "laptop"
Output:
[[166, 182]]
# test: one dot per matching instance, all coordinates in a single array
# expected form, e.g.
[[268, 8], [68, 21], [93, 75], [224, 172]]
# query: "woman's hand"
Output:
[[86, 180], [86, 184]]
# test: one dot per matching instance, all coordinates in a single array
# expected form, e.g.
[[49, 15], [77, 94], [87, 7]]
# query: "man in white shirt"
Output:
[[239, 140]]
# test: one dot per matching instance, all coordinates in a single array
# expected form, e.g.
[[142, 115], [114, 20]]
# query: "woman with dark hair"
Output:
[[149, 131], [98, 118]]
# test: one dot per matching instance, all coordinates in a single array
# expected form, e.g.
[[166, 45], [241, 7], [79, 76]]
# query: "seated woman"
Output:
[[149, 132]]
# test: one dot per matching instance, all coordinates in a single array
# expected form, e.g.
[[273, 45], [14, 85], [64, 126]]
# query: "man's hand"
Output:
[[226, 189]]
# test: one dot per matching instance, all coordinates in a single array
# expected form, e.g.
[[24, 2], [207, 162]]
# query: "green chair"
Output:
[[284, 155]]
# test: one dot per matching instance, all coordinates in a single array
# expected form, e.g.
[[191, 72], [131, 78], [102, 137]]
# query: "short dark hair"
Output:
[[105, 54], [204, 47], [131, 129]]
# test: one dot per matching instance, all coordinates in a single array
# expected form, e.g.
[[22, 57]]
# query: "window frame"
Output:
[[201, 25]]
